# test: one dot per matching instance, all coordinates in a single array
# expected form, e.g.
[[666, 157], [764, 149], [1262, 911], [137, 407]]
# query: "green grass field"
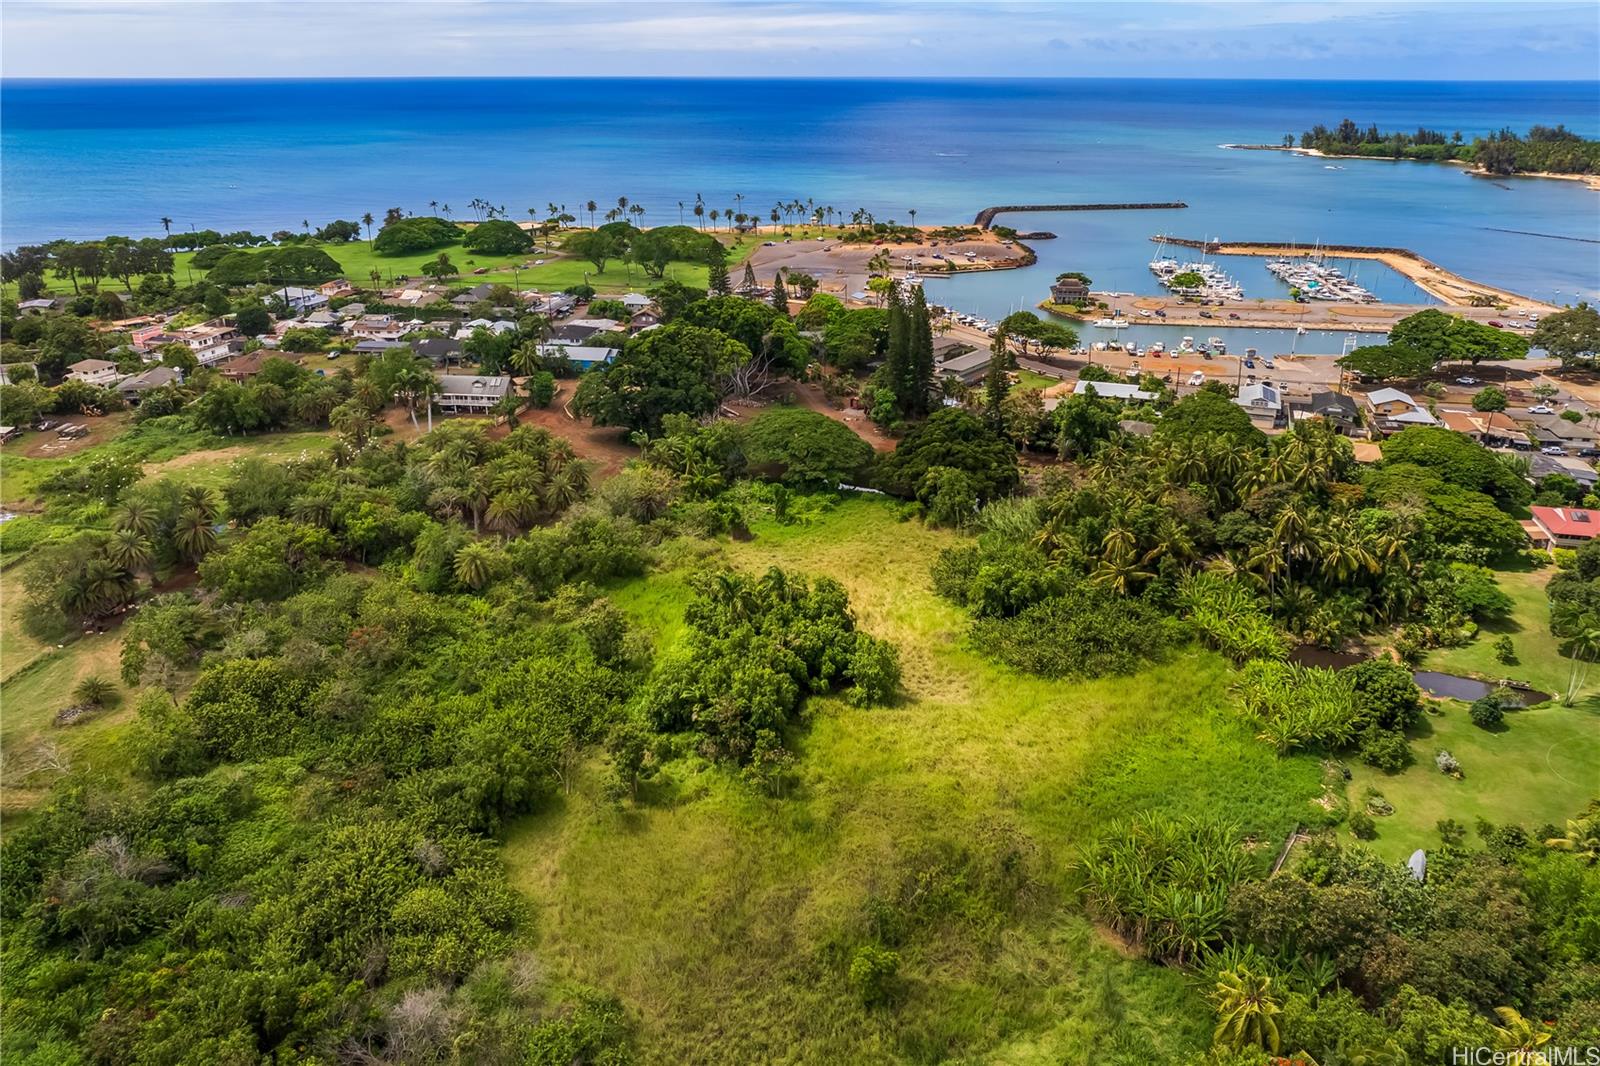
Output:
[[721, 914], [1539, 768], [359, 261], [1028, 379], [1539, 659]]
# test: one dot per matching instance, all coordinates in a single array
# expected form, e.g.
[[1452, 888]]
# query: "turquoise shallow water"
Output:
[[84, 159]]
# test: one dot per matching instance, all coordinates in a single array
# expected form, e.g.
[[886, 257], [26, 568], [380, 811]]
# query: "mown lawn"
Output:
[[725, 918], [358, 261], [1539, 659], [1542, 766]]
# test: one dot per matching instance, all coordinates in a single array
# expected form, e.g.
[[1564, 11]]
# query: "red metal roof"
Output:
[[1568, 521]]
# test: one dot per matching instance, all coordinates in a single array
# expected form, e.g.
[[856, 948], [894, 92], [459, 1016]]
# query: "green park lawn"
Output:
[[358, 261], [713, 909], [1028, 379]]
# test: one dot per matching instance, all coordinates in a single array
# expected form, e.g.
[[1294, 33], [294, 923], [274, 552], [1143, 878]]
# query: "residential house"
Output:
[[478, 394], [1550, 430], [336, 289], [207, 335], [1500, 430], [442, 351], [323, 319], [247, 365], [1564, 527], [94, 372], [473, 295], [300, 300], [218, 351], [579, 330], [497, 325], [377, 345], [353, 309], [643, 320], [1542, 466], [36, 307], [551, 305], [1262, 402], [1111, 390], [634, 301], [147, 337], [582, 357], [1069, 291], [377, 327], [133, 389], [416, 297], [1334, 408], [1463, 422], [1392, 411], [967, 368]]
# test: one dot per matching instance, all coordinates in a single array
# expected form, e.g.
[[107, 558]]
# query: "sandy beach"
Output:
[[1590, 180]]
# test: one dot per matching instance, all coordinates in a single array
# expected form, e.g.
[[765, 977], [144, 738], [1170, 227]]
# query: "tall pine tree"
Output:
[[996, 383], [780, 294], [919, 368], [748, 286], [897, 353], [717, 277]]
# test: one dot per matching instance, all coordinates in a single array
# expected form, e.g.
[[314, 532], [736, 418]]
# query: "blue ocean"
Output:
[[85, 159]]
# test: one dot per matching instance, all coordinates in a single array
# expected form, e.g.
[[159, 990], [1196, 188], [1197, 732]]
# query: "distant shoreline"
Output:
[[1592, 181]]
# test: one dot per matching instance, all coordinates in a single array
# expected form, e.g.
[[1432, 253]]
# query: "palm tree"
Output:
[[700, 215], [511, 510], [1246, 1012], [1519, 1035], [366, 220], [714, 216], [565, 487], [166, 224], [474, 566], [1582, 838], [913, 213], [194, 535], [137, 516], [433, 205], [129, 550], [200, 499], [590, 207]]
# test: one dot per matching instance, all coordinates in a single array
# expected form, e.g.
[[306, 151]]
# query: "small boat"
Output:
[[1110, 323], [1299, 331]]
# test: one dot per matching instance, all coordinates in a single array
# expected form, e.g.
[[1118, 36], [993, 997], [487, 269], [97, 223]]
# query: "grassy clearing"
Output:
[[726, 919], [1028, 379], [1539, 659], [358, 261], [1539, 768]]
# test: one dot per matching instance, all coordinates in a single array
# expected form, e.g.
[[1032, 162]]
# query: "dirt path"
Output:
[[605, 446], [810, 397]]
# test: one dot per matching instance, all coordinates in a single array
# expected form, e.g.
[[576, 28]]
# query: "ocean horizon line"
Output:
[[876, 78]]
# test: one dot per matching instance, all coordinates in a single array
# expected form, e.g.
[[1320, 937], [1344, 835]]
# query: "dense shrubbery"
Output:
[[1083, 632], [756, 648], [806, 448]]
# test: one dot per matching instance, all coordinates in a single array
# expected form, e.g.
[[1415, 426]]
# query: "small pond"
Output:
[[1469, 688]]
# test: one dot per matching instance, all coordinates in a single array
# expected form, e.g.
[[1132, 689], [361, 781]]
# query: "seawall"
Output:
[[985, 218]]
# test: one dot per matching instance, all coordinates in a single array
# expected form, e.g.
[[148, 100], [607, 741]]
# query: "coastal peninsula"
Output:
[[1544, 151]]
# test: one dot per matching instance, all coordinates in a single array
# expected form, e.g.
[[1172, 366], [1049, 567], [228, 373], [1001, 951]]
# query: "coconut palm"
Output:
[[1246, 1011], [1582, 838], [200, 499], [98, 588], [366, 220], [166, 224], [1519, 1035]]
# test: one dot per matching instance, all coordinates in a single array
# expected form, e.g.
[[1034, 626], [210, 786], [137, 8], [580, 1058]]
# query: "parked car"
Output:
[[1205, 314], [1496, 325], [1541, 409], [1553, 449], [1233, 314], [1466, 380], [1197, 378]]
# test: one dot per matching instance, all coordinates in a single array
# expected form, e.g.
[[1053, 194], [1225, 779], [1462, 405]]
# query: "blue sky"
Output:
[[1451, 40]]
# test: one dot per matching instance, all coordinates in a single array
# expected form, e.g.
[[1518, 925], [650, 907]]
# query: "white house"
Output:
[[1112, 390], [473, 394], [94, 372], [1263, 402], [1393, 410], [301, 300], [205, 336]]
